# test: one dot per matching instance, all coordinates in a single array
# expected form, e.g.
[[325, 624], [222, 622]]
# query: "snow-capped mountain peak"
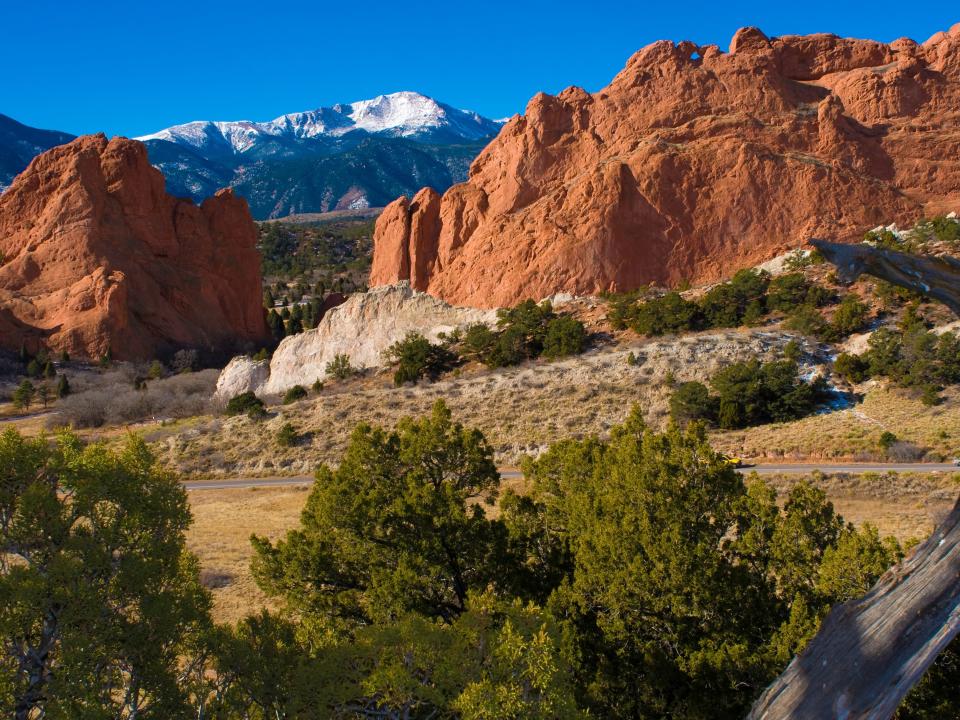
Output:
[[400, 114]]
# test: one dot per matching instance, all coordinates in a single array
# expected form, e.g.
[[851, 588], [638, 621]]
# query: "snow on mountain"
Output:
[[401, 114]]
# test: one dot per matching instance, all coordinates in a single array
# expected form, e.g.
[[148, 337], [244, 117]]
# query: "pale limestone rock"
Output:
[[240, 375], [362, 328]]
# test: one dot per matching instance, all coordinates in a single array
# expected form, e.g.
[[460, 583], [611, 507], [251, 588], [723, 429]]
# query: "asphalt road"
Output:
[[773, 469]]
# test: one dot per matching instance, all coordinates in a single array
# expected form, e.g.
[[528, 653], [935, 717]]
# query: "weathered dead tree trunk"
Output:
[[871, 651], [936, 277]]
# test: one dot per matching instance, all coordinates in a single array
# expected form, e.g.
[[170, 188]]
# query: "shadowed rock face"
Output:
[[692, 163], [935, 277], [96, 256]]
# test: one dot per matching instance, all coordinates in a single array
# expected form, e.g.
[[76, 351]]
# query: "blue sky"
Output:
[[133, 67]]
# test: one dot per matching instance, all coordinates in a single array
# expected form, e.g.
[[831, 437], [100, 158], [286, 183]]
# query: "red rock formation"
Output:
[[96, 255], [690, 164]]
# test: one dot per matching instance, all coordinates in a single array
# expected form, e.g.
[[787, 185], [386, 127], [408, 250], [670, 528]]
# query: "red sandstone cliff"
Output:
[[94, 255], [690, 164]]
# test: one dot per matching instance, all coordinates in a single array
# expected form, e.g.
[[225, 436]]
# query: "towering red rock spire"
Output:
[[97, 256], [691, 163]]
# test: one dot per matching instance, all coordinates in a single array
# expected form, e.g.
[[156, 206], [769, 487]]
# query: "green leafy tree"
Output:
[[100, 602], [24, 394], [398, 527], [687, 590]]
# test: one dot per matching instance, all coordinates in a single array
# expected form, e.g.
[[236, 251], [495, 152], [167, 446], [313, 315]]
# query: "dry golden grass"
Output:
[[853, 434], [223, 521], [520, 410], [905, 506]]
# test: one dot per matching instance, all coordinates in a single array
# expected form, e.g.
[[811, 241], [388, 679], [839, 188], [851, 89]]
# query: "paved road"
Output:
[[773, 469]]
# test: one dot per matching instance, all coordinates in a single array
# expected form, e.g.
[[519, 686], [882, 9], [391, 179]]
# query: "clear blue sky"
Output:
[[133, 67]]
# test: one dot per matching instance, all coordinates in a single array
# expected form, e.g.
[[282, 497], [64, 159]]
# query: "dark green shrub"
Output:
[[692, 401], [287, 436], [340, 367], [565, 336], [851, 368], [63, 387], [297, 392], [787, 292], [887, 439], [752, 392], [245, 403], [478, 341], [416, 358], [669, 313], [791, 351], [807, 321], [850, 316]]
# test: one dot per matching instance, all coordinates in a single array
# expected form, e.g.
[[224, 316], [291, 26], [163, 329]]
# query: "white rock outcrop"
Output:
[[240, 375], [361, 328]]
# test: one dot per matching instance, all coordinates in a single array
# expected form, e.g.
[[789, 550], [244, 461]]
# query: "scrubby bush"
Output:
[[808, 321], [851, 367], [916, 358], [340, 367], [748, 393], [692, 401], [287, 435], [110, 398], [565, 336], [416, 358], [744, 300], [849, 317], [791, 351], [669, 313], [156, 370], [524, 332], [297, 392], [244, 403], [788, 292]]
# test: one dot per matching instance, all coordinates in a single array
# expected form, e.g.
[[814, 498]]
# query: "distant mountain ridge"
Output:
[[401, 114], [20, 143], [348, 156]]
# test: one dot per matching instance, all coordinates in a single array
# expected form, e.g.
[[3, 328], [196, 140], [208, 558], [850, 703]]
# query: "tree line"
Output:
[[638, 577]]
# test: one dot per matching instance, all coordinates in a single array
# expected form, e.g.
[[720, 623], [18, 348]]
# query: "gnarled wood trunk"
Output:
[[871, 651]]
